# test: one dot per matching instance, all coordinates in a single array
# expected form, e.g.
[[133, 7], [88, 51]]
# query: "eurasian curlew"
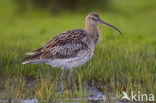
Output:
[[70, 49]]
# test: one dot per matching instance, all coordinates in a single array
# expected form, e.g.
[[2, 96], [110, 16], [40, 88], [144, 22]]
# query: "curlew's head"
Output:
[[94, 19]]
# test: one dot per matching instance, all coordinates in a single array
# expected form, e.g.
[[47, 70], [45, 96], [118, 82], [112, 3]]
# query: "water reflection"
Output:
[[93, 96]]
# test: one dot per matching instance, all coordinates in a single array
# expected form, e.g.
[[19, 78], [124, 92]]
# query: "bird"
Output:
[[70, 49]]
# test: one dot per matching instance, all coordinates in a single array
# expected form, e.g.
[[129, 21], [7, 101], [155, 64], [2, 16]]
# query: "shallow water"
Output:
[[33, 100], [93, 96]]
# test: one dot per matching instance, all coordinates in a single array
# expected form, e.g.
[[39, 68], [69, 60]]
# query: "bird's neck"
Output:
[[93, 31]]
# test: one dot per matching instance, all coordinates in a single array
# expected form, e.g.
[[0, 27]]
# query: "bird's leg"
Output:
[[70, 77], [62, 80]]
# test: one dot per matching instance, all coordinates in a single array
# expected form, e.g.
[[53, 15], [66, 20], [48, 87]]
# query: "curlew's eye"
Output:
[[94, 18]]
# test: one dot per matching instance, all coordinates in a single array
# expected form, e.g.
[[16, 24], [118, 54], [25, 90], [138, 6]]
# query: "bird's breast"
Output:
[[69, 63]]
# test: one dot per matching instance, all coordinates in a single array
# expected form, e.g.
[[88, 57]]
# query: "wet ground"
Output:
[[94, 96]]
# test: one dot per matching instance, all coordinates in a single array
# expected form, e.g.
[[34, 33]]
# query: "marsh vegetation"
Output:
[[120, 63]]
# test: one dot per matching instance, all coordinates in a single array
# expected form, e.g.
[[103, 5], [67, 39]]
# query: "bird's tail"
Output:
[[35, 51], [26, 62], [31, 59]]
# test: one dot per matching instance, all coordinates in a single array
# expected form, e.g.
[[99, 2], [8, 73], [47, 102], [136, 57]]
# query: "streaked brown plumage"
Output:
[[72, 37], [70, 49]]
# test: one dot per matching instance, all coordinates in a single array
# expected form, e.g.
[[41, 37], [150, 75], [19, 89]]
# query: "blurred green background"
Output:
[[125, 62]]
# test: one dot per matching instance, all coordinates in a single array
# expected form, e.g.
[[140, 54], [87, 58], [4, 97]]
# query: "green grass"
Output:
[[119, 63]]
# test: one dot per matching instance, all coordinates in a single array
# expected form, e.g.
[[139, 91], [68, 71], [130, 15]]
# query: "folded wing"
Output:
[[65, 45]]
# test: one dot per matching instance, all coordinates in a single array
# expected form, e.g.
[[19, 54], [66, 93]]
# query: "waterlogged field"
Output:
[[120, 63]]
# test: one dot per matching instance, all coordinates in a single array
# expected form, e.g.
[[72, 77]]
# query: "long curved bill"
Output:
[[111, 26]]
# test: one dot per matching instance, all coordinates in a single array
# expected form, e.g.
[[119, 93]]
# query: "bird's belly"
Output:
[[70, 63]]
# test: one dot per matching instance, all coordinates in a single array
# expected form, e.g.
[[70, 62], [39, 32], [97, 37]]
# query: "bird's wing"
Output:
[[64, 45]]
